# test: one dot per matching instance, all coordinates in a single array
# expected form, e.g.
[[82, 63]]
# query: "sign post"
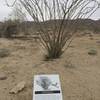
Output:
[[47, 87]]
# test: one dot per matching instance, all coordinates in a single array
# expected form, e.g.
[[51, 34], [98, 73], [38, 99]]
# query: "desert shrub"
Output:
[[58, 12], [92, 52], [4, 52], [10, 28]]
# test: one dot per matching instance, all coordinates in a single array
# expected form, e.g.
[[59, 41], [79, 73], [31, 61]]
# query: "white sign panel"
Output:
[[47, 87]]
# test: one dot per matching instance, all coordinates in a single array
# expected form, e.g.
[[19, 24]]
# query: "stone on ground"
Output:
[[19, 87], [3, 76]]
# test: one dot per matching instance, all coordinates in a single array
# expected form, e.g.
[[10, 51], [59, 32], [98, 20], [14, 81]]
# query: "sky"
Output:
[[5, 11]]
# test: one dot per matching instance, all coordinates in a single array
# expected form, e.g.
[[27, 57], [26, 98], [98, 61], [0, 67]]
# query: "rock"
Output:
[[92, 52], [19, 87], [98, 42], [3, 76], [4, 52]]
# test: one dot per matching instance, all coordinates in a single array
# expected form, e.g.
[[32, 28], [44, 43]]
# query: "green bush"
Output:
[[92, 52]]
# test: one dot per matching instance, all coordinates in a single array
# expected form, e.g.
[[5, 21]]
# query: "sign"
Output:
[[47, 87]]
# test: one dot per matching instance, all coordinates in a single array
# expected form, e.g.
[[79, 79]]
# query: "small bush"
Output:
[[4, 53], [10, 28], [92, 52]]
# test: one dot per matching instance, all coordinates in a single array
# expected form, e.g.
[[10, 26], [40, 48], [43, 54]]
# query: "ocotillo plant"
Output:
[[60, 12]]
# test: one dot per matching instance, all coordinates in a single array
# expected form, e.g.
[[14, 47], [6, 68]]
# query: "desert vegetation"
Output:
[[55, 38], [59, 29]]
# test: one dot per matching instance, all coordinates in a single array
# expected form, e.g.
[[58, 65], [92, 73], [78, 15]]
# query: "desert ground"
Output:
[[79, 72]]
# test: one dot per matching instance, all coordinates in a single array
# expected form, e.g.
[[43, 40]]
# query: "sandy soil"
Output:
[[79, 72]]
